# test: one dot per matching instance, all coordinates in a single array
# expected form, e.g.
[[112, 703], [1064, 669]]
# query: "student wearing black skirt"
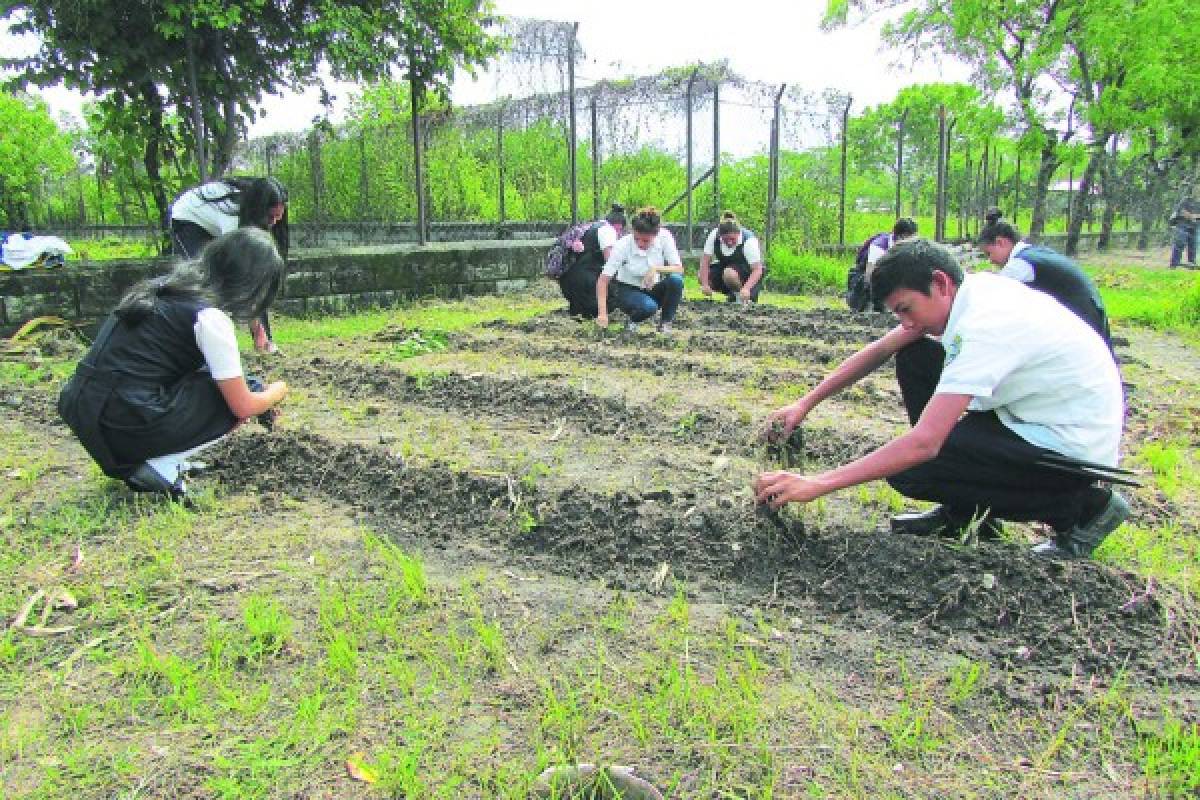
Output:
[[164, 378], [204, 212]]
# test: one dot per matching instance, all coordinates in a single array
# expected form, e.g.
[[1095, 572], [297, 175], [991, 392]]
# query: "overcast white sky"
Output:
[[774, 41]]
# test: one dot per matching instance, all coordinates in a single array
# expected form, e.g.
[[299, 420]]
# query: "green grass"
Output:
[[438, 316], [1164, 300], [250, 646], [113, 247]]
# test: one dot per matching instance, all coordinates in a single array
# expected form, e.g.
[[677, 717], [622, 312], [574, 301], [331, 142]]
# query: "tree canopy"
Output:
[[209, 63], [32, 149]]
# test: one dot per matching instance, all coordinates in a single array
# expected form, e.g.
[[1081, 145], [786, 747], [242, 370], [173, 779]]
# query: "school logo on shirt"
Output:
[[953, 347]]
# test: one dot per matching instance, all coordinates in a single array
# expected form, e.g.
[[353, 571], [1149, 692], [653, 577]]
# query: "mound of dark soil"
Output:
[[542, 403], [990, 601]]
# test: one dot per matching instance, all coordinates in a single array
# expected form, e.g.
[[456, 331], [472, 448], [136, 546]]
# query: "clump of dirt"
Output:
[[991, 601]]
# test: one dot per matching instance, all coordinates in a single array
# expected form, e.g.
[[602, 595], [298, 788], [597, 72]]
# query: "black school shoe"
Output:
[[941, 521], [1085, 537], [146, 479]]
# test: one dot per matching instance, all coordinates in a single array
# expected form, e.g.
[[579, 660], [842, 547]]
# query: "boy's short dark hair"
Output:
[[996, 230], [910, 265], [904, 228]]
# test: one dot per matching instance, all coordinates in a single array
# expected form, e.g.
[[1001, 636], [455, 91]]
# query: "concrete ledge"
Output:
[[320, 281]]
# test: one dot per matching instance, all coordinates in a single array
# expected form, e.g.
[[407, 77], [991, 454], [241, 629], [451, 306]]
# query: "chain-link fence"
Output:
[[560, 142]]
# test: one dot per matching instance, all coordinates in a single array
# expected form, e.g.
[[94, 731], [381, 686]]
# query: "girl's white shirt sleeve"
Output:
[[217, 341], [670, 250], [606, 237]]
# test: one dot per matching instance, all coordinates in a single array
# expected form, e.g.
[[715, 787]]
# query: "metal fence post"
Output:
[[773, 167], [842, 192], [415, 91], [939, 214], [900, 159], [573, 139], [691, 83], [716, 176], [500, 159], [595, 161]]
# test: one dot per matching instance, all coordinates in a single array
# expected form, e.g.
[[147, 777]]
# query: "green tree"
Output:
[[1078, 69], [211, 62], [32, 151]]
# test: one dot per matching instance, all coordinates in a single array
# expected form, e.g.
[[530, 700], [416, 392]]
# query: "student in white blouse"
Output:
[[164, 378], [648, 272]]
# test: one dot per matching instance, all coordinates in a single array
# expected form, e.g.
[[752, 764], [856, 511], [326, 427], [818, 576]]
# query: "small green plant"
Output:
[[491, 644], [268, 628], [965, 678], [908, 730], [419, 343], [1170, 758], [536, 471], [687, 424]]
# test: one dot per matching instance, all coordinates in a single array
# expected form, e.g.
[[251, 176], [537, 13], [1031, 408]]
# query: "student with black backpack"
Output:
[[576, 258], [858, 282]]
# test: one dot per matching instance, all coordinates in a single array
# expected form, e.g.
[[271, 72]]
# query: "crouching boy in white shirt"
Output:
[[1007, 408]]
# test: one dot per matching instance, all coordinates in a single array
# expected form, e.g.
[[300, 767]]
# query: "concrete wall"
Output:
[[319, 281]]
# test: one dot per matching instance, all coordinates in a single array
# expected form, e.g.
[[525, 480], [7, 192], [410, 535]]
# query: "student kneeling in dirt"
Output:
[[732, 262], [587, 257], [1021, 388], [163, 379], [649, 274]]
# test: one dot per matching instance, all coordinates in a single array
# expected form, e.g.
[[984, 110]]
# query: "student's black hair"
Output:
[[616, 215], [904, 228], [729, 224], [992, 215], [910, 265], [257, 197], [993, 231], [647, 220], [254, 198], [239, 273]]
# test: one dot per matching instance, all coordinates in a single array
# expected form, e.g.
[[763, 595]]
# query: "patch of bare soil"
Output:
[[991, 601], [543, 403]]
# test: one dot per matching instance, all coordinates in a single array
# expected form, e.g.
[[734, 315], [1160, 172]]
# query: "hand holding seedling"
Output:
[[777, 489], [782, 421]]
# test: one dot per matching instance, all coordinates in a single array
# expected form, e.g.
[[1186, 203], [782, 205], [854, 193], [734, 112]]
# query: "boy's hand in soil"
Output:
[[782, 421], [777, 489], [602, 320]]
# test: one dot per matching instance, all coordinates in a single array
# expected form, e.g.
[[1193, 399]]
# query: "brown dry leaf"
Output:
[[359, 771], [62, 599], [75, 564], [23, 614]]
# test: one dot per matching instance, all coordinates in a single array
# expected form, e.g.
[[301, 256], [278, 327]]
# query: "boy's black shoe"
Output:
[[941, 521], [146, 479]]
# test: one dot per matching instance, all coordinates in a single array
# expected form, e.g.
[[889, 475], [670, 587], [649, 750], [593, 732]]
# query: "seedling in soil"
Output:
[[789, 453]]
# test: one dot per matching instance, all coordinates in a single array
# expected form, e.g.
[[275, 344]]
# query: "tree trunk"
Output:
[[1108, 189], [189, 39], [1148, 208], [151, 157], [225, 140], [1095, 161], [1041, 188]]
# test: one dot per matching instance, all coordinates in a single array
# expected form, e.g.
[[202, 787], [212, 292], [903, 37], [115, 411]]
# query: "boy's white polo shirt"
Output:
[[1048, 376]]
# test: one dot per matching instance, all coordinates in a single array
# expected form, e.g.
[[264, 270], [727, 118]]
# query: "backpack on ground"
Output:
[[560, 256]]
